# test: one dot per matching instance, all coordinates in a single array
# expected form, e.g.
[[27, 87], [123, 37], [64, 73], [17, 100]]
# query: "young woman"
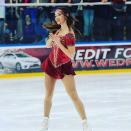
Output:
[[58, 65]]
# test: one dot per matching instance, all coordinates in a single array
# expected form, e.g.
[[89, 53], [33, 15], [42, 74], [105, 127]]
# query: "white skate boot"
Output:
[[85, 126], [44, 125]]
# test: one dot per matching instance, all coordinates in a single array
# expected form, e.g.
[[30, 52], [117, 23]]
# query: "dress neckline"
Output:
[[64, 34]]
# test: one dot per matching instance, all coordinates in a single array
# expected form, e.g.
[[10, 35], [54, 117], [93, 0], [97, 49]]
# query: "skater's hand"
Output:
[[50, 40], [56, 39], [51, 36]]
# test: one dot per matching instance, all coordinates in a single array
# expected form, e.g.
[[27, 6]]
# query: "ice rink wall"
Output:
[[95, 58]]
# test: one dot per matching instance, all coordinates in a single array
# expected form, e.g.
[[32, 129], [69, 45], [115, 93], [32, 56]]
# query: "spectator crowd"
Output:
[[25, 24]]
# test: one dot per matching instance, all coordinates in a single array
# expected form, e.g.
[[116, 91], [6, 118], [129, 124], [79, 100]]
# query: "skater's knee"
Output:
[[48, 98], [74, 96]]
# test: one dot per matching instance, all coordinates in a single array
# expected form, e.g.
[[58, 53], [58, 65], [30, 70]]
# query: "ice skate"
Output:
[[85, 126], [44, 125]]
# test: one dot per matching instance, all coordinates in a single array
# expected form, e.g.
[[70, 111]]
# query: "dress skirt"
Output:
[[59, 72]]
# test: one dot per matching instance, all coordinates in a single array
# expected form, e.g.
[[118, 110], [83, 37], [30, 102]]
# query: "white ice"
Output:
[[107, 100]]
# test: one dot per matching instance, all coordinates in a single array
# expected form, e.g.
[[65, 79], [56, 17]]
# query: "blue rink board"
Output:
[[77, 43]]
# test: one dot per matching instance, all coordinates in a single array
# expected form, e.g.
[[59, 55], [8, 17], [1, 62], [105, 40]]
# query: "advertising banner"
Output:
[[102, 57], [88, 57]]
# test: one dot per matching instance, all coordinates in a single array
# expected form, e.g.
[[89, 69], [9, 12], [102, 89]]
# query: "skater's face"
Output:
[[59, 17]]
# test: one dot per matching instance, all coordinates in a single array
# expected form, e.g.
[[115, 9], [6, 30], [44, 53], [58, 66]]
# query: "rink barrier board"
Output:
[[85, 72], [101, 55]]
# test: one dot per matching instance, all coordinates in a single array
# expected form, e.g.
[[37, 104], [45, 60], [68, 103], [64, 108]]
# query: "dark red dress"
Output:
[[58, 64]]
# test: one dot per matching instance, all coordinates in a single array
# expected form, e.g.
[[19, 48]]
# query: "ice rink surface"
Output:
[[107, 99]]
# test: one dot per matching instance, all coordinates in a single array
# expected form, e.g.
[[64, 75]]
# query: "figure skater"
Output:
[[58, 65]]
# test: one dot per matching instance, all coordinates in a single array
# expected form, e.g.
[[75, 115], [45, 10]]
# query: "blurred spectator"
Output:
[[6, 33], [42, 18], [101, 23], [12, 21], [118, 17], [29, 34], [2, 19], [32, 11], [128, 22], [29, 20], [21, 15], [88, 15]]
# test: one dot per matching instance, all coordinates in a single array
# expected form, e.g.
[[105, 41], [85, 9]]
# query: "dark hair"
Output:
[[67, 14], [70, 20], [52, 27]]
